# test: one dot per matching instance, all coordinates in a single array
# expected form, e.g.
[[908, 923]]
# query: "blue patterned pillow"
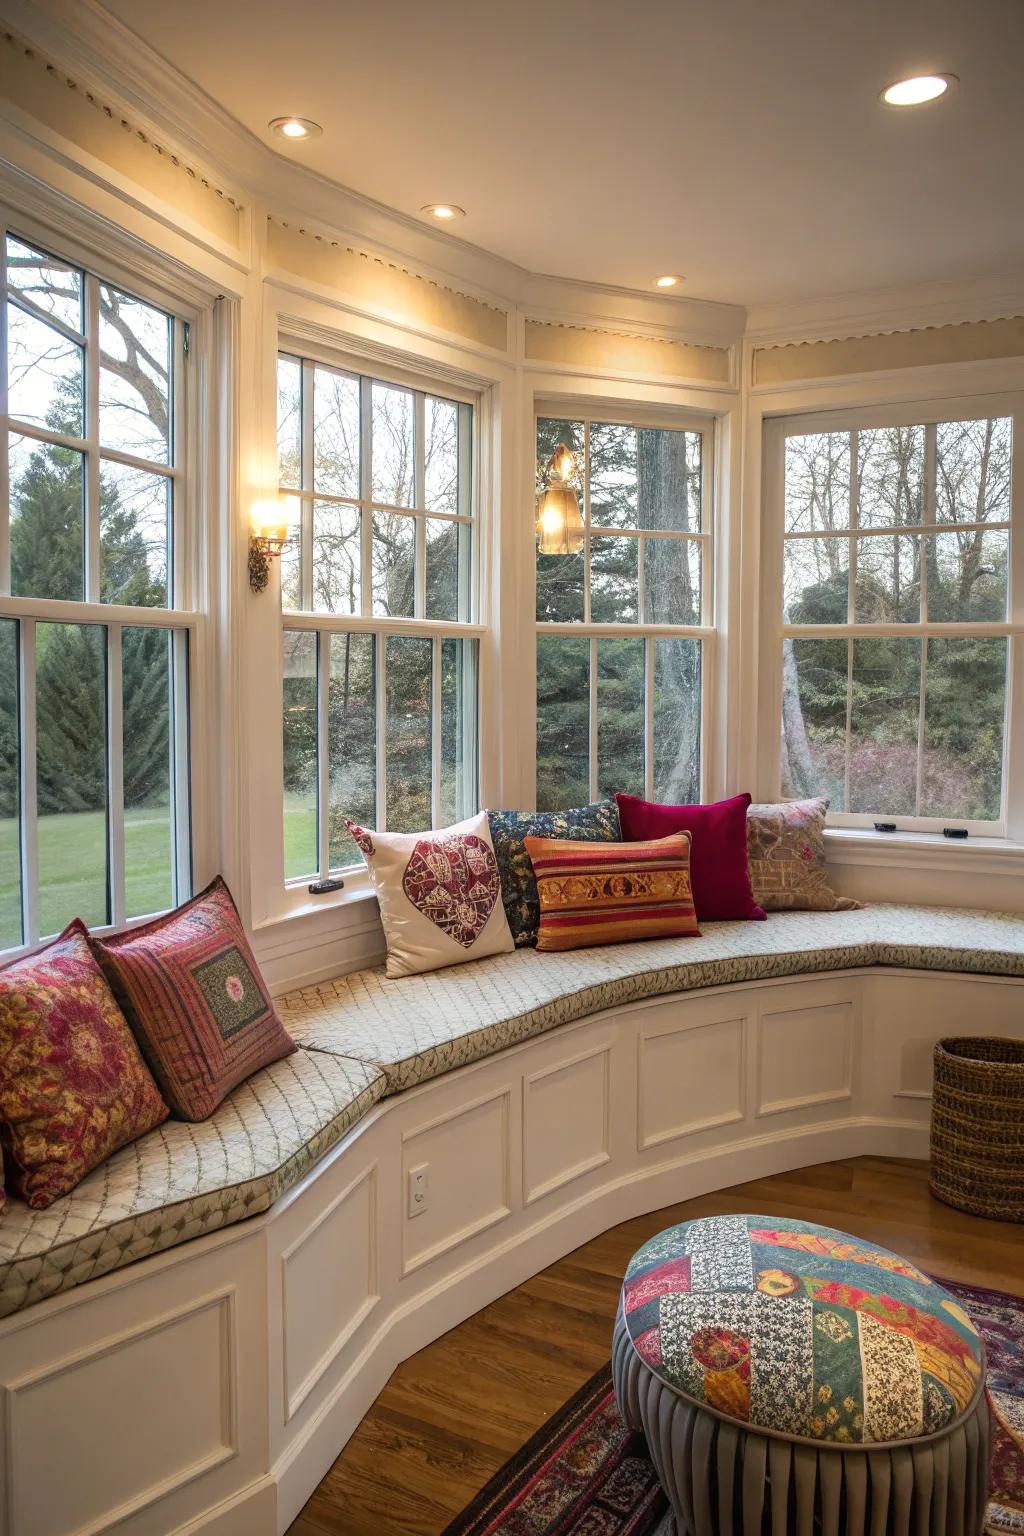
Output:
[[597, 823]]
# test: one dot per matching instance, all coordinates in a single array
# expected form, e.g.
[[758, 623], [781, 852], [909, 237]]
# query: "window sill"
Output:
[[924, 850]]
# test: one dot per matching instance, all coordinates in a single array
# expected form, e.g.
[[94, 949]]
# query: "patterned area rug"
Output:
[[585, 1474]]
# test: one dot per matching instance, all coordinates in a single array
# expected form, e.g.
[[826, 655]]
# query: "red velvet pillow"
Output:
[[191, 990], [719, 871]]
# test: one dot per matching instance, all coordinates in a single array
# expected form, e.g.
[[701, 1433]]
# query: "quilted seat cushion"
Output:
[[802, 1330], [184, 1180]]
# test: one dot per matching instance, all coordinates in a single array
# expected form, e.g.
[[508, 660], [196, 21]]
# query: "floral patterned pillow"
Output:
[[598, 823], [786, 849], [439, 895], [73, 1084]]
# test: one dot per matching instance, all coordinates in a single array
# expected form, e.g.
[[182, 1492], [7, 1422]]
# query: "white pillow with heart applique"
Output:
[[439, 895]]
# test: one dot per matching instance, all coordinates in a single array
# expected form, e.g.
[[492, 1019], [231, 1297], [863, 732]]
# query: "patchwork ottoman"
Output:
[[792, 1380]]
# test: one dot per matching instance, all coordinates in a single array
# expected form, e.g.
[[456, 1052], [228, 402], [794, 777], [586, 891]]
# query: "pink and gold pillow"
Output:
[[73, 1084], [439, 895], [192, 992], [610, 893], [786, 850]]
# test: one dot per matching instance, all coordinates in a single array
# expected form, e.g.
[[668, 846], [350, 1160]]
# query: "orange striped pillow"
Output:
[[608, 893]]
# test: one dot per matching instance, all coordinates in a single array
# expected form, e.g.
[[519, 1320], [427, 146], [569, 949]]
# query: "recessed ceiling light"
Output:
[[295, 127], [444, 211], [917, 90], [670, 280]]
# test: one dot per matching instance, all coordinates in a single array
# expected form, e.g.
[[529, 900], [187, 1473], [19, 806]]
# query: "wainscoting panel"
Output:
[[467, 1154], [805, 1056], [690, 1075], [566, 1121]]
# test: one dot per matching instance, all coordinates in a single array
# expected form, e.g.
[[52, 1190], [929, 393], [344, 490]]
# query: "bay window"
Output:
[[378, 589], [94, 600]]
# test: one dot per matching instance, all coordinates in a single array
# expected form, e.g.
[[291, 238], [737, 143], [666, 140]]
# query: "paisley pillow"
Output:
[[73, 1084], [439, 895], [786, 850], [598, 823]]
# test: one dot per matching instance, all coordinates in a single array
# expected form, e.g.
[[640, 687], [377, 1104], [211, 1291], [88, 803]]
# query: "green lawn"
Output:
[[299, 838], [72, 869]]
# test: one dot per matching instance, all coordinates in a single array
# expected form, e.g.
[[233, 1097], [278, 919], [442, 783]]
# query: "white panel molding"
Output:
[[570, 1068], [502, 1206], [226, 1368], [294, 1398], [695, 1031], [813, 1016]]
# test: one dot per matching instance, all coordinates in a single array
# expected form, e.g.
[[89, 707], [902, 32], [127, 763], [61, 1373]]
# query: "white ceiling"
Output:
[[740, 142]]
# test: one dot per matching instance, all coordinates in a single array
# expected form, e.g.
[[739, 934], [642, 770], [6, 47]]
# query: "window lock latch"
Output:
[[321, 887]]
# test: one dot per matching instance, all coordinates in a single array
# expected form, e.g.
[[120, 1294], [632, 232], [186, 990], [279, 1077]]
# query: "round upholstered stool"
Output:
[[792, 1380]]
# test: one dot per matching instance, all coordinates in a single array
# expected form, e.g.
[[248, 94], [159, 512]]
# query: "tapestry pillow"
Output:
[[612, 893], [193, 995], [73, 1085], [598, 823], [786, 847], [718, 850], [439, 895]]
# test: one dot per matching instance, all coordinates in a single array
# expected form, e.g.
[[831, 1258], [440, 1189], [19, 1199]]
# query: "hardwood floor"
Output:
[[452, 1414]]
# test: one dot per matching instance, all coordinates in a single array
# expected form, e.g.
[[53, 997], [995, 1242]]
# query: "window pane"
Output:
[[447, 570], [47, 521], [135, 522], [816, 581], [394, 565], [291, 557], [885, 707], [351, 743], [560, 588], [672, 585], [337, 558], [71, 769], [668, 480], [817, 482], [44, 374], [135, 370], [394, 456], [814, 719], [458, 730], [613, 476], [335, 433], [50, 284], [972, 471], [620, 717], [10, 793], [964, 722], [888, 580], [677, 692], [563, 722], [890, 477], [147, 666], [614, 597], [300, 743], [289, 421], [441, 455], [967, 576], [408, 759]]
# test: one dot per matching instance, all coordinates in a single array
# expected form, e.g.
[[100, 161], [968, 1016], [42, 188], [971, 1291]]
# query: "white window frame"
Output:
[[927, 413], [612, 414], [324, 624], [185, 621]]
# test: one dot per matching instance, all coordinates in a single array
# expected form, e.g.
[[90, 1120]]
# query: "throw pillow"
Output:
[[73, 1085], [192, 992], [786, 846], [613, 892], [439, 895], [597, 823], [718, 850]]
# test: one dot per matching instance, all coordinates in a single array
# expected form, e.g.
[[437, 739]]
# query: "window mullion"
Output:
[[5, 483], [29, 804], [930, 491], [366, 497], [419, 501], [92, 439], [922, 694], [435, 731], [649, 644], [306, 476], [849, 721], [380, 689], [181, 778], [323, 764], [641, 582], [115, 774], [592, 749]]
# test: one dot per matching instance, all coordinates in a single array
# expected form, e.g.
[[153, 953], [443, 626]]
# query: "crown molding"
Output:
[[884, 311]]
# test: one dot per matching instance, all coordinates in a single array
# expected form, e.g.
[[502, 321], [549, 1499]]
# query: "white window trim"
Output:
[[300, 345], [614, 412], [850, 834]]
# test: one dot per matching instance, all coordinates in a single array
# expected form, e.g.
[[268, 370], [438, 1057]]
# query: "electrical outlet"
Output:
[[418, 1191]]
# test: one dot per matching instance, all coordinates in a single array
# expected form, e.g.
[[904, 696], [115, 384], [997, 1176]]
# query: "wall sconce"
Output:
[[267, 538], [559, 520]]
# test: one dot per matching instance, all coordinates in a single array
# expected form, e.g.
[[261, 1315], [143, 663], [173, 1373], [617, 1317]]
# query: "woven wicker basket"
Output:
[[977, 1147]]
